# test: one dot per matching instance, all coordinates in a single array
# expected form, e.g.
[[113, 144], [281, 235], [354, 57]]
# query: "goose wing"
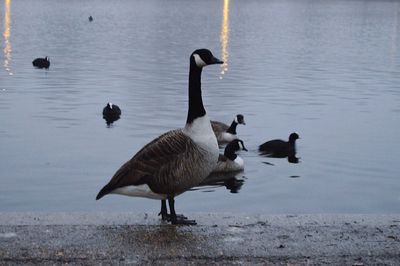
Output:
[[219, 126], [159, 164]]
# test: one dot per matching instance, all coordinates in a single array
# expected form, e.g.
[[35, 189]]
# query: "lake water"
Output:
[[328, 70]]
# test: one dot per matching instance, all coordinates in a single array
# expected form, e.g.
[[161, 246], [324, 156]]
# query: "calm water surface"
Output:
[[329, 70]]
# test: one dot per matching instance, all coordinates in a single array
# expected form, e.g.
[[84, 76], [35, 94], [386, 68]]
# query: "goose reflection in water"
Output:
[[110, 120], [230, 181], [290, 157]]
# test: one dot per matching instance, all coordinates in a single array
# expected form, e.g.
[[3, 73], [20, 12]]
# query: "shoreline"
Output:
[[219, 238]]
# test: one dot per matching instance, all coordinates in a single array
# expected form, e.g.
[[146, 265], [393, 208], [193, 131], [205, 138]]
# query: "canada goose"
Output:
[[225, 133], [177, 160], [230, 161], [41, 62], [90, 18], [280, 148], [111, 113]]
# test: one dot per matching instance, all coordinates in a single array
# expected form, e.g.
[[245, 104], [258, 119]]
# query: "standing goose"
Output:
[[177, 160], [225, 133], [41, 62], [230, 161], [279, 148]]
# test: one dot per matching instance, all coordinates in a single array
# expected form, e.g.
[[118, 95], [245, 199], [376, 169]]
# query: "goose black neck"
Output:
[[232, 128], [230, 153], [196, 108]]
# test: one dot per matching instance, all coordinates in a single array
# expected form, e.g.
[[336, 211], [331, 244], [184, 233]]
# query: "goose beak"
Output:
[[244, 149], [215, 60]]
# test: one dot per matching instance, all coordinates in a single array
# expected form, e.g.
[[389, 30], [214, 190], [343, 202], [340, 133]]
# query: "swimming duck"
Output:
[[41, 62], [111, 113], [230, 161], [225, 133], [177, 160], [279, 148]]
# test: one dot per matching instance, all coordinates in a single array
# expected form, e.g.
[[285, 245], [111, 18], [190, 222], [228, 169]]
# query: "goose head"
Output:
[[234, 146], [204, 57], [110, 105], [239, 145], [293, 137], [240, 119]]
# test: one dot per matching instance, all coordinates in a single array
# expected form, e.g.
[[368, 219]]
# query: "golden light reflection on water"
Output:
[[6, 34], [224, 38]]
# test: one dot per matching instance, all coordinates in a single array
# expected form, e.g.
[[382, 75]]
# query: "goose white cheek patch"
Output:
[[240, 145], [199, 61]]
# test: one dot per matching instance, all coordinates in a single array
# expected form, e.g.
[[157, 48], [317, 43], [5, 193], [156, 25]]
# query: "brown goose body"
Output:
[[168, 165]]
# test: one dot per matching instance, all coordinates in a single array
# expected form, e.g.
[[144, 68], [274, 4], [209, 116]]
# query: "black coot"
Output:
[[41, 62], [111, 113], [278, 148]]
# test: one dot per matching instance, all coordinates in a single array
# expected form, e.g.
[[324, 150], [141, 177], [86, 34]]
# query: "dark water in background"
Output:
[[329, 70]]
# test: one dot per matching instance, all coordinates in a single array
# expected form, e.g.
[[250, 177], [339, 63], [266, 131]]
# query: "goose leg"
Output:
[[164, 213], [178, 219]]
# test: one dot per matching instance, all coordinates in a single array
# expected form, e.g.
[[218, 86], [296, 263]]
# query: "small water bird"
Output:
[[279, 148], [41, 62], [111, 113], [90, 18], [178, 159], [230, 161], [225, 133]]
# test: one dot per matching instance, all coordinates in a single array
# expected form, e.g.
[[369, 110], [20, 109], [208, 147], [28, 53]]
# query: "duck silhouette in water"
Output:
[[111, 113], [41, 62], [278, 148]]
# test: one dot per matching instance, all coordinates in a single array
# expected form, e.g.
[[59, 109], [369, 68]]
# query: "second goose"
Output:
[[230, 161], [225, 133]]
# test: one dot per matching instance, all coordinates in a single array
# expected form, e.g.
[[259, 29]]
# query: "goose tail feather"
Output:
[[104, 191]]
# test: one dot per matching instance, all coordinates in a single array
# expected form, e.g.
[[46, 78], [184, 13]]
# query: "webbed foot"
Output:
[[182, 220], [167, 217]]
